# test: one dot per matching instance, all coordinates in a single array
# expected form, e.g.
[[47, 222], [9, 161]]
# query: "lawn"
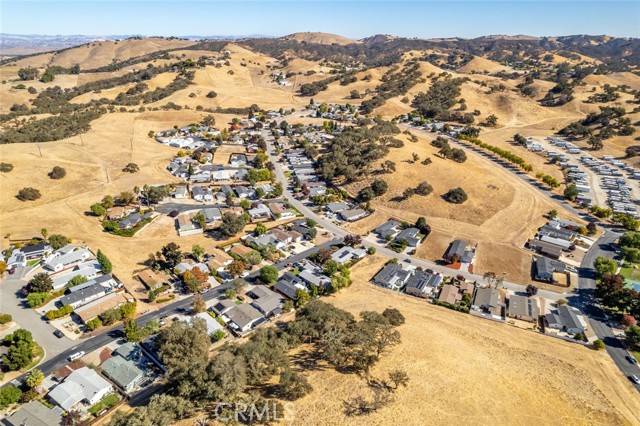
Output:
[[106, 402], [39, 355], [632, 277], [33, 262], [636, 354]]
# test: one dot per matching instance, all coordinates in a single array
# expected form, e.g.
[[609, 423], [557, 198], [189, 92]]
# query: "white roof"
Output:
[[212, 324], [81, 384]]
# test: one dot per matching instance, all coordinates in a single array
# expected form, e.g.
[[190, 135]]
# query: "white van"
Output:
[[75, 356]]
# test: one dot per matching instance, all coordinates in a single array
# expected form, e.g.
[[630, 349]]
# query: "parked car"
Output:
[[75, 356], [635, 379], [59, 334], [631, 359], [174, 213]]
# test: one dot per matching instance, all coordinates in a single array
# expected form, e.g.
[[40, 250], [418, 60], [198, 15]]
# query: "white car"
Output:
[[75, 356], [635, 379]]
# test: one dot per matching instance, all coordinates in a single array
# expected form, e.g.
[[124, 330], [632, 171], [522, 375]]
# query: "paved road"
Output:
[[11, 302], [586, 301]]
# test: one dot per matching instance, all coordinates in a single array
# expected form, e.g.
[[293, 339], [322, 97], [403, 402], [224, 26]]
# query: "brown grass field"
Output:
[[465, 370]]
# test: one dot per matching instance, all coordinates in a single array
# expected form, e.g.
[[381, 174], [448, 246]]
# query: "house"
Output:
[[82, 385], [523, 308], [35, 413], [548, 249], [268, 302], [223, 306], [544, 268], [211, 323], [200, 193], [153, 280], [36, 251], [388, 229], [90, 291], [392, 276], [458, 252], [180, 192], [217, 259], [353, 214], [289, 285], [423, 283], [410, 235], [260, 212], [557, 232], [489, 300], [337, 206], [265, 187], [124, 373], [201, 176], [286, 237], [129, 350], [243, 192], [302, 228], [66, 257], [130, 221], [450, 294], [312, 275], [116, 213], [103, 304], [16, 260], [186, 225], [347, 254], [238, 160], [567, 319], [89, 270], [279, 211], [264, 240], [211, 215], [244, 317], [241, 250]]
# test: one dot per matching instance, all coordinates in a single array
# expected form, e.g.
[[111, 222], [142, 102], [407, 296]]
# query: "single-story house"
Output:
[[458, 251], [217, 259], [244, 192], [489, 300], [124, 373], [548, 249], [544, 268], [220, 175], [353, 214], [152, 280], [286, 237], [268, 302], [389, 229], [337, 206], [346, 254], [289, 285], [36, 251], [450, 294], [423, 283], [66, 257], [264, 240], [312, 275], [16, 260], [241, 250], [244, 317], [223, 306], [89, 270], [279, 211], [392, 276], [82, 385], [180, 192], [259, 212], [35, 413], [301, 227], [212, 324], [211, 215], [97, 307], [84, 296], [410, 235], [566, 318], [186, 225], [523, 308], [200, 193]]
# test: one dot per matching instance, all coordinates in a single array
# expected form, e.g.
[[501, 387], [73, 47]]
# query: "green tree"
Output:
[[198, 305], [94, 324], [108, 201], [104, 262], [131, 331], [9, 395], [40, 283], [598, 344], [197, 251], [632, 335], [293, 386], [218, 335], [604, 265], [571, 192], [34, 378], [492, 120], [58, 241], [552, 214], [98, 209], [301, 298], [232, 224], [379, 187], [269, 274]]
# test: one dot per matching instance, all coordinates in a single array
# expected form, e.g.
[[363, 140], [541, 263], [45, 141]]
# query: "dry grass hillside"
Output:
[[319, 38], [469, 371]]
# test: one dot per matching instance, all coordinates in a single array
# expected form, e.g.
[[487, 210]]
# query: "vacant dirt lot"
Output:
[[465, 370]]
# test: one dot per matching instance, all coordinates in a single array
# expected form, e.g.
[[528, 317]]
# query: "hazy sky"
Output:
[[355, 19]]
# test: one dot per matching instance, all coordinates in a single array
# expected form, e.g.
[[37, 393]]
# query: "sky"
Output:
[[354, 19]]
